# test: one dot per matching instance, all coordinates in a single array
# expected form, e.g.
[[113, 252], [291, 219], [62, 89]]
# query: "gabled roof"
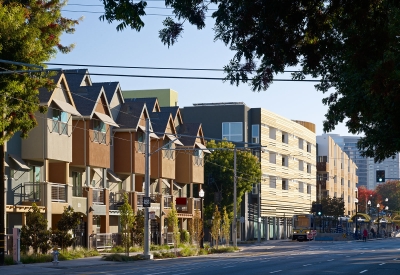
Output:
[[111, 88], [190, 133], [130, 114], [75, 77], [175, 112], [45, 94], [162, 122], [151, 103]]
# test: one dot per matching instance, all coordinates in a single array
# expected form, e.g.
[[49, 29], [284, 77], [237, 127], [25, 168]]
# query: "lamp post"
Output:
[[201, 195], [356, 202], [369, 207], [377, 233]]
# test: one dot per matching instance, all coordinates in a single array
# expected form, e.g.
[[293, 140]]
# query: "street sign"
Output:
[[314, 233], [152, 215], [146, 201], [310, 236]]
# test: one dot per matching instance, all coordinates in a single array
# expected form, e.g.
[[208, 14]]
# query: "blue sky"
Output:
[[99, 43]]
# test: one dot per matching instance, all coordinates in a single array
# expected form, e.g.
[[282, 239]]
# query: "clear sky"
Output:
[[99, 43]]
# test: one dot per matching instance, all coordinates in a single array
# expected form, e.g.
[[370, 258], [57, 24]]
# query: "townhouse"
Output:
[[88, 149]]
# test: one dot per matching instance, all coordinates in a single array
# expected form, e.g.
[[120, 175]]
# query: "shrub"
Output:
[[185, 236], [188, 251], [203, 251], [163, 255], [121, 258], [8, 260]]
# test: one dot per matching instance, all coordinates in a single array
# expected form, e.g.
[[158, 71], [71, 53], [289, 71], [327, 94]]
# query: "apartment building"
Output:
[[88, 150], [287, 158], [337, 173]]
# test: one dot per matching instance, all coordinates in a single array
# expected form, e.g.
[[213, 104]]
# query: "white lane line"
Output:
[[276, 271], [306, 264], [364, 271], [382, 264], [229, 266], [347, 256], [395, 259], [330, 260]]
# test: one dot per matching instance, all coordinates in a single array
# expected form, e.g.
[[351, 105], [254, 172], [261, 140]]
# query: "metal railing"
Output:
[[104, 240], [58, 192], [31, 191], [99, 137], [59, 127], [98, 196], [141, 147], [198, 161], [168, 154]]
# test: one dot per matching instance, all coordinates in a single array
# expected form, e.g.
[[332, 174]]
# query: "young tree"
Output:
[[35, 233], [173, 222], [226, 225], [218, 170], [216, 226], [127, 219], [138, 229], [196, 228], [350, 46], [61, 235]]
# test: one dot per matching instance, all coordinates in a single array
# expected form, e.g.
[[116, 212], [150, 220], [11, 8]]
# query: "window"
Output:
[[272, 157], [232, 131], [34, 192], [272, 133], [272, 182], [99, 128], [285, 185], [76, 184], [301, 142], [301, 165], [308, 168], [255, 133], [285, 161], [285, 137], [60, 122], [168, 152], [301, 187], [342, 181], [308, 147], [198, 160], [308, 188], [141, 146]]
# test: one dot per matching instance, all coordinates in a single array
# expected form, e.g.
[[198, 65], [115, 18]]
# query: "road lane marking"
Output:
[[229, 266], [347, 256], [330, 260], [306, 264], [276, 271], [364, 271], [382, 264]]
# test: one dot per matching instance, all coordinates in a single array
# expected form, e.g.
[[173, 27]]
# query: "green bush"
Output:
[[203, 251], [159, 247], [121, 258], [225, 249], [135, 249], [188, 251], [163, 255], [185, 236], [8, 260], [41, 258]]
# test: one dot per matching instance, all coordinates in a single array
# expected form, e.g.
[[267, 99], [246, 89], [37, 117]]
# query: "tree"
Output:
[[351, 46], [173, 222], [61, 235], [391, 191], [219, 170], [196, 228], [226, 224], [332, 207], [365, 195], [216, 226], [127, 219], [35, 233], [138, 229]]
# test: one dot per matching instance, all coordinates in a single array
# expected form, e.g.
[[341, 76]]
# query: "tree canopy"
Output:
[[391, 191], [219, 175], [350, 46], [30, 33]]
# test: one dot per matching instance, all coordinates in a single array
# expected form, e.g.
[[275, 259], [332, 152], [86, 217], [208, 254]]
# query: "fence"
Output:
[[31, 191], [58, 192], [98, 196], [167, 201], [102, 241]]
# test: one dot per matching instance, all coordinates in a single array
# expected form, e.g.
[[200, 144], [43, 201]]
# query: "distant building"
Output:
[[336, 173], [367, 167], [166, 97], [288, 184]]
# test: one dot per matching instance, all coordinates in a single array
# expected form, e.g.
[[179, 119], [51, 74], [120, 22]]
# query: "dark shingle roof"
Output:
[[45, 94], [159, 121], [85, 99], [109, 88], [189, 132], [129, 114], [74, 78], [150, 101]]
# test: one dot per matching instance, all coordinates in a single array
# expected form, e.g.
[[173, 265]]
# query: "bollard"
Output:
[[55, 255]]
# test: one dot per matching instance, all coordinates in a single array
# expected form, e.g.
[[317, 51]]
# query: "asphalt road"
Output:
[[374, 257]]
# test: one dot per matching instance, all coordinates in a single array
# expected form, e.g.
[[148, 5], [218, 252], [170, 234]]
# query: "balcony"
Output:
[[59, 127], [58, 192], [98, 196], [31, 192]]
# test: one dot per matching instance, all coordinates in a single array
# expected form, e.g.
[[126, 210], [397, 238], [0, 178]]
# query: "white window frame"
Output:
[[230, 136], [255, 133]]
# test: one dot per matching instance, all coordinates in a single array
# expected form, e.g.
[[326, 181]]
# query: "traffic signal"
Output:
[[380, 175], [318, 209]]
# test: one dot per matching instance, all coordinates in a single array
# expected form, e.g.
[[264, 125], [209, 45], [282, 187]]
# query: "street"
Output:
[[274, 257]]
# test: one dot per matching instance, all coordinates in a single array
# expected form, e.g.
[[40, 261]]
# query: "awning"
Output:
[[204, 149], [21, 164], [169, 186], [112, 177], [152, 135], [177, 186], [98, 171], [174, 139], [106, 119], [66, 107]]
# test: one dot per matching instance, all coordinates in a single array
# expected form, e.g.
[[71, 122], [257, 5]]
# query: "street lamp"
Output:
[[369, 207], [356, 202], [201, 195], [377, 234]]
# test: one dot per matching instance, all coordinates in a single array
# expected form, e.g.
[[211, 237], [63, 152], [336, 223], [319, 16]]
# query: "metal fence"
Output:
[[31, 191], [167, 201], [58, 192]]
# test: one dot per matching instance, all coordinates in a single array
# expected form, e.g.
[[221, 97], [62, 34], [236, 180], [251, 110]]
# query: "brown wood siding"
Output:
[[99, 153], [168, 168], [122, 154], [198, 172], [57, 172], [78, 147], [183, 167], [101, 106], [139, 158], [155, 160]]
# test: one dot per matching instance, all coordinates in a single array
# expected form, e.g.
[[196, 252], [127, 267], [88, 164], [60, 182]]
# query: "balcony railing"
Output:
[[58, 192], [99, 137], [197, 204], [198, 161], [168, 154], [141, 147], [98, 196], [167, 201], [59, 127], [31, 191]]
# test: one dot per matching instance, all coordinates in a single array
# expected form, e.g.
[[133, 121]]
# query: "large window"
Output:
[[60, 122], [232, 131], [255, 133], [77, 184]]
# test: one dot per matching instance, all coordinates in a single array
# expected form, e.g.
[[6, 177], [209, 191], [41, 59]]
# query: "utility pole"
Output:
[[259, 212], [234, 199], [146, 251]]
